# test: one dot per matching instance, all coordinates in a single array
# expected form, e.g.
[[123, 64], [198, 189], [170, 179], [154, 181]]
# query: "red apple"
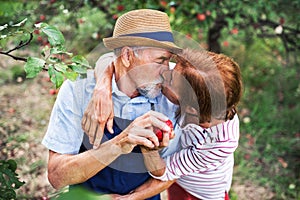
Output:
[[281, 20], [42, 17], [234, 31], [52, 91], [189, 36], [120, 7], [201, 17], [45, 42], [80, 21], [115, 16], [159, 133], [163, 3], [208, 13], [170, 124], [40, 38], [247, 156], [36, 31], [225, 43]]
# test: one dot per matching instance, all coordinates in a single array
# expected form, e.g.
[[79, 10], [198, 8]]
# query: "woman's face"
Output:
[[173, 83]]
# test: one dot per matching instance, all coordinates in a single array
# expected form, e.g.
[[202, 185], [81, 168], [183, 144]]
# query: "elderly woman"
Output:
[[207, 87]]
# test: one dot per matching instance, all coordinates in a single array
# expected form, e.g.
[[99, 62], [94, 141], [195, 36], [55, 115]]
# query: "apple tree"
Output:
[[62, 29]]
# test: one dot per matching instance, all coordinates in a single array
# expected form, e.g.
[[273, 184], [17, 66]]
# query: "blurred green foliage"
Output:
[[9, 179], [263, 37]]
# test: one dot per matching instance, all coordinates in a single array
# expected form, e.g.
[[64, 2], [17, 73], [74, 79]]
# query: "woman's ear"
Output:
[[127, 56], [191, 115]]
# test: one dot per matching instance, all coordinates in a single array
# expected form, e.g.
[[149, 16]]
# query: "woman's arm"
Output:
[[99, 111], [200, 156], [154, 163]]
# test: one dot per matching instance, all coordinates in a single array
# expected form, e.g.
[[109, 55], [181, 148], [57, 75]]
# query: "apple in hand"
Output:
[[159, 133]]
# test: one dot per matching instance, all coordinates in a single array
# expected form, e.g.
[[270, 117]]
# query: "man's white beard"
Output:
[[150, 91]]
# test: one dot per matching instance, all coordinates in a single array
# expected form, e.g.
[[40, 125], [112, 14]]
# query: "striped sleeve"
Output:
[[202, 152]]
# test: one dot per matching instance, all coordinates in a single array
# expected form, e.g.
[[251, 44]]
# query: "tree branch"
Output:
[[21, 44], [14, 57], [7, 53]]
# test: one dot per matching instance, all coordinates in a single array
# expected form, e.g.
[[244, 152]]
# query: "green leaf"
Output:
[[78, 68], [78, 193], [44, 50], [230, 23], [71, 75], [81, 60], [58, 50], [54, 59], [33, 66], [55, 37], [61, 67], [9, 180], [56, 77], [12, 165]]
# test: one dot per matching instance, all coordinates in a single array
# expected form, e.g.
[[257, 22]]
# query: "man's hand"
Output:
[[140, 132], [99, 111]]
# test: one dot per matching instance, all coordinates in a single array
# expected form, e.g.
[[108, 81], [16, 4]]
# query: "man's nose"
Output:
[[166, 76]]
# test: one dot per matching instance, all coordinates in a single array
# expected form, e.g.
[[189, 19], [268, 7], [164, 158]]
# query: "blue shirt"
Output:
[[65, 135]]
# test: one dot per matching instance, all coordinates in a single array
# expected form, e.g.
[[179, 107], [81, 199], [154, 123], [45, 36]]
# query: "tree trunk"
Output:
[[214, 33]]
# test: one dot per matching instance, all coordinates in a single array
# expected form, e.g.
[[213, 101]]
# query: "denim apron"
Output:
[[124, 174]]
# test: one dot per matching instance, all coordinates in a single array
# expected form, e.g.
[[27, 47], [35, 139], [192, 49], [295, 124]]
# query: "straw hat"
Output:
[[144, 27]]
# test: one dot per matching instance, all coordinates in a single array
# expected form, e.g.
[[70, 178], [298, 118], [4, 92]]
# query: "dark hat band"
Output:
[[159, 36]]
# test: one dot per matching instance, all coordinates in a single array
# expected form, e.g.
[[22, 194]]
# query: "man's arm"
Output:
[[66, 169], [69, 169], [99, 112]]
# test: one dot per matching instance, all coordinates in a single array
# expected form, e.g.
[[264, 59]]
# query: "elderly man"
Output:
[[143, 43]]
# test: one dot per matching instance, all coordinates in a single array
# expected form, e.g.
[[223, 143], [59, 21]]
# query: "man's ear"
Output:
[[127, 56]]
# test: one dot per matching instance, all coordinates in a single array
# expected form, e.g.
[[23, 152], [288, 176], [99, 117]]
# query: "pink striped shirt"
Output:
[[204, 165]]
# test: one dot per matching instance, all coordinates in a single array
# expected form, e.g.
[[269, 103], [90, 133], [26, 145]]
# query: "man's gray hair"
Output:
[[136, 50]]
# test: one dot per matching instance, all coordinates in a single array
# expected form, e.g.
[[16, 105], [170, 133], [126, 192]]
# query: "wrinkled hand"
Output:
[[110, 196], [140, 132], [121, 197], [99, 111]]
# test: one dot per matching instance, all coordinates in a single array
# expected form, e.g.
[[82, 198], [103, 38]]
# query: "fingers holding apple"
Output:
[[165, 136]]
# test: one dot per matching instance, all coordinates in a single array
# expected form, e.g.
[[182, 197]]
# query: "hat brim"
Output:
[[117, 42]]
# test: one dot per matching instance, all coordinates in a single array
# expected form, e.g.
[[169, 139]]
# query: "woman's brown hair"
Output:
[[216, 82]]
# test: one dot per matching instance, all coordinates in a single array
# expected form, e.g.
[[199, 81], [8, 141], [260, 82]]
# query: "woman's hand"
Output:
[[99, 112]]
